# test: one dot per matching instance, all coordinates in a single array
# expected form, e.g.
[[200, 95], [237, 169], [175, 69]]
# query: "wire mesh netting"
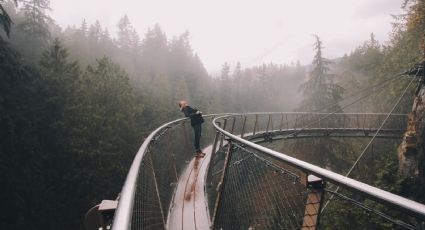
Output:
[[166, 157], [255, 190], [147, 211], [258, 194]]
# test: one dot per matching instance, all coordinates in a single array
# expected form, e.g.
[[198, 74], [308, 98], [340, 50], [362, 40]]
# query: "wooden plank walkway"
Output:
[[190, 210]]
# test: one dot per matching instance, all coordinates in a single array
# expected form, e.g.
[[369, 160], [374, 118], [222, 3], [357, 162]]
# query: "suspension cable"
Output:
[[386, 81], [379, 129], [381, 85], [373, 138]]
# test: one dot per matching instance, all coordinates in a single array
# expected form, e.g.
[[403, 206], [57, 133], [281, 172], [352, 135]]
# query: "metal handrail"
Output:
[[122, 218], [123, 214], [315, 113], [404, 204]]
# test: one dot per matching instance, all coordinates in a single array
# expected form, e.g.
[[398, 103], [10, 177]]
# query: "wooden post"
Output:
[[313, 203]]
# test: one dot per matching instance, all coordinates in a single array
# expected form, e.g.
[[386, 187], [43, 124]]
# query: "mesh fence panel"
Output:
[[167, 156], [259, 194], [146, 211]]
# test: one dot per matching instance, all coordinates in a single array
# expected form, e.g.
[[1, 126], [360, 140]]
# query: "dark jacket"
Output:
[[195, 119]]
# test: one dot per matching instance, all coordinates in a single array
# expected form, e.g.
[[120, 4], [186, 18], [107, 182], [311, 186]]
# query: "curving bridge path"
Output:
[[241, 184]]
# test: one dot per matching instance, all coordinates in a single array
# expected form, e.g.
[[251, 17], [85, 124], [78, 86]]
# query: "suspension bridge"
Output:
[[248, 181]]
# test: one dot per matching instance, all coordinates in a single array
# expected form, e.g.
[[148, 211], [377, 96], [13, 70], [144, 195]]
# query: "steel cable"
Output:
[[372, 139]]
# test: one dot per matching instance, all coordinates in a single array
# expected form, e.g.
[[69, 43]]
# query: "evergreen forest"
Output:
[[77, 102]]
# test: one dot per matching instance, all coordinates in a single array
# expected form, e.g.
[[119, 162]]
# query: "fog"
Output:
[[83, 83], [251, 32]]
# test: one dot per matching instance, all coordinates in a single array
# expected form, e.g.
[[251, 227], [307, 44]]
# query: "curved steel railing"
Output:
[[147, 181], [123, 215], [381, 196]]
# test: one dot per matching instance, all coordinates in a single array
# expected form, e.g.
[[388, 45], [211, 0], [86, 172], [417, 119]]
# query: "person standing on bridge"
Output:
[[196, 121]]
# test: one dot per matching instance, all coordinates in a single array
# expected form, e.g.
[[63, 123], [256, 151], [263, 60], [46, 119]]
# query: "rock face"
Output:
[[408, 150], [411, 150]]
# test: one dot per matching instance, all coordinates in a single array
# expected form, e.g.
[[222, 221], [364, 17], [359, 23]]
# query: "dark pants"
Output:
[[197, 129]]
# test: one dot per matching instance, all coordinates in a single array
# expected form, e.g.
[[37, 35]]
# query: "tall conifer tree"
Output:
[[320, 91]]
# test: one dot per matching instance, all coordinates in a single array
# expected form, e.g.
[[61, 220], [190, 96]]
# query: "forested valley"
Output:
[[77, 102]]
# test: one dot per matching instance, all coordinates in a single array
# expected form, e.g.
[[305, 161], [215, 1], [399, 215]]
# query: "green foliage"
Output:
[[5, 20], [31, 34], [20, 146], [69, 137], [68, 133], [343, 214]]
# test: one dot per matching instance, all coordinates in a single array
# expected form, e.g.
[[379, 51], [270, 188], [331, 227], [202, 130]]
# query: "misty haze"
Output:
[[152, 114]]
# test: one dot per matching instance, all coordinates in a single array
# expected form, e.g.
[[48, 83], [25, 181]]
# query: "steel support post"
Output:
[[314, 202], [243, 126], [214, 148], [271, 123], [287, 122], [281, 123], [212, 161], [296, 122], [255, 124], [268, 123], [222, 137], [222, 182], [233, 125]]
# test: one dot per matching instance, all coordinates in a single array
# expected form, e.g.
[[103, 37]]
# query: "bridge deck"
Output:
[[190, 210]]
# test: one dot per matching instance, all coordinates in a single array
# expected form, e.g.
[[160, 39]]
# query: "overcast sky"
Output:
[[249, 31]]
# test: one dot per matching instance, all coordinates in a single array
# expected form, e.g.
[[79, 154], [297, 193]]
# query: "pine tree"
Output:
[[32, 32], [18, 138], [320, 91], [155, 52], [183, 63], [5, 20], [57, 89], [125, 32]]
